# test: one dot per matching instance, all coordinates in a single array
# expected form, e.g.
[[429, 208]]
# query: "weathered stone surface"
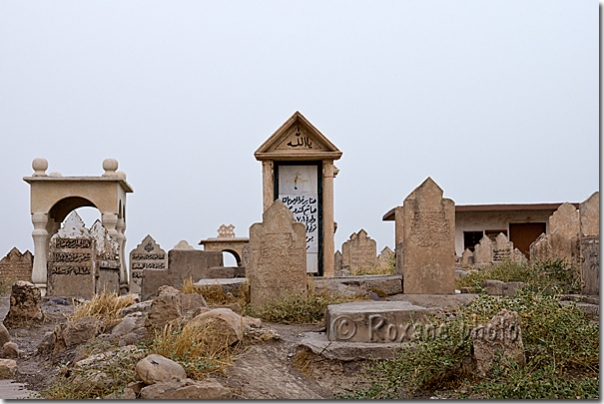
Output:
[[510, 288], [8, 368], [4, 335], [386, 258], [502, 248], [277, 262], [147, 255], [359, 252], [493, 287], [590, 265], [565, 221], [152, 280], [25, 304], [355, 285], [70, 334], [143, 307], [518, 256], [208, 389], [185, 264], [589, 211], [467, 258], [108, 260], [72, 260], [47, 343], [156, 369], [428, 241], [166, 308], [337, 262], [128, 324], [483, 252], [225, 272], [501, 333], [10, 350], [16, 266], [224, 321], [231, 285], [192, 301], [318, 343], [374, 322]]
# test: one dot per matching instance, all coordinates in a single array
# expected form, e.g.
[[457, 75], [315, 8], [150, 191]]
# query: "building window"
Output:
[[471, 238]]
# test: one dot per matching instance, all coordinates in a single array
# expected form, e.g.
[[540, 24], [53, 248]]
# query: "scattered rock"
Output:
[[129, 339], [165, 308], [25, 304], [156, 369], [208, 389], [143, 307], [510, 288], [225, 321], [127, 394], [503, 334], [4, 335], [10, 350], [192, 301], [70, 334], [128, 324], [58, 300], [8, 368], [47, 343], [493, 287]]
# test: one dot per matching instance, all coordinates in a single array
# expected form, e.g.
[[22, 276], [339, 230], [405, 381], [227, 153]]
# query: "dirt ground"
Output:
[[270, 370]]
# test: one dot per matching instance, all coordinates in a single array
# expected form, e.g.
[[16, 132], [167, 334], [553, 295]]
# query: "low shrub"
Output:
[[561, 347]]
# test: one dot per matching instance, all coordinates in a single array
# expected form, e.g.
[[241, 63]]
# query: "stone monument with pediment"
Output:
[[298, 169], [147, 255]]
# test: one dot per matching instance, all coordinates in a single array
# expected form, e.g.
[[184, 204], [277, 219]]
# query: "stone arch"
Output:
[[235, 254], [53, 197]]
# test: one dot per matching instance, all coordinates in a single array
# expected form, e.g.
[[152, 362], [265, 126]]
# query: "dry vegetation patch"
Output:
[[104, 306]]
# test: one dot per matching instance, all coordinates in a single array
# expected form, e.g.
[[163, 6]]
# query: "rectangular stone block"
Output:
[[152, 280], [590, 265], [494, 287], [108, 277], [185, 264], [72, 267], [225, 272], [377, 322]]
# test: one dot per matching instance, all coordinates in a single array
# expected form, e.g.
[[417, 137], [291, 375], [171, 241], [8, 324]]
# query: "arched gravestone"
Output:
[[147, 255], [297, 168]]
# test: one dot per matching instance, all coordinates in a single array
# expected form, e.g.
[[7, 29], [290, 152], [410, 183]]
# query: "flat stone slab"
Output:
[[318, 343], [443, 302], [381, 284], [10, 390], [228, 285], [375, 322]]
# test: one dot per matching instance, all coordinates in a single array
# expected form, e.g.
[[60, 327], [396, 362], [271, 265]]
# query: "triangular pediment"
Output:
[[297, 139]]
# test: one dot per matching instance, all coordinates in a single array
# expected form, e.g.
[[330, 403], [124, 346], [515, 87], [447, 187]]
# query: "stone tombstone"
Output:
[[502, 248], [590, 265], [385, 258], [589, 211], [186, 262], [467, 258], [359, 252], [72, 260], [428, 241], [16, 266], [483, 251], [518, 256], [147, 255], [337, 262], [277, 262], [108, 259]]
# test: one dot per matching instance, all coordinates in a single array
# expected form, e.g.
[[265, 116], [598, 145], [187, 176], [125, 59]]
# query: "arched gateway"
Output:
[[53, 197]]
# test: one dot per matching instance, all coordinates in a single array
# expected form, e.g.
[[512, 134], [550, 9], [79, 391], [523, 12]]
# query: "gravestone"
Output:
[[502, 248], [467, 258], [518, 256], [147, 255], [564, 226], [589, 211], [277, 261], [337, 263], [359, 252], [428, 241], [385, 259], [16, 266], [483, 252], [108, 260], [72, 260]]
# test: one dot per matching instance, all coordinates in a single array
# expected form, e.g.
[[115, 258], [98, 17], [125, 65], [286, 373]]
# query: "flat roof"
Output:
[[502, 207]]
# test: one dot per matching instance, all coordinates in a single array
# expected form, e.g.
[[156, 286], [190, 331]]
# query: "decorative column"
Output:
[[41, 240], [121, 241], [328, 219], [268, 184]]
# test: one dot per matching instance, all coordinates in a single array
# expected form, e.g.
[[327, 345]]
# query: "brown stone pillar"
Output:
[[268, 184]]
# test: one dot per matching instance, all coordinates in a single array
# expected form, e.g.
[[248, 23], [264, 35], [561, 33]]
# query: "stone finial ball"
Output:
[[110, 165], [39, 164]]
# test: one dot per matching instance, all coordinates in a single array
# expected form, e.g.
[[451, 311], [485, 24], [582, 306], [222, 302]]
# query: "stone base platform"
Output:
[[318, 343], [228, 285], [382, 285]]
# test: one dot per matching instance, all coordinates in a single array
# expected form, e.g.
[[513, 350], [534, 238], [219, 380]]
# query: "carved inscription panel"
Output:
[[71, 256]]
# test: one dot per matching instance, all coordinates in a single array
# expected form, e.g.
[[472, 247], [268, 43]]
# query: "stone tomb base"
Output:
[[375, 322]]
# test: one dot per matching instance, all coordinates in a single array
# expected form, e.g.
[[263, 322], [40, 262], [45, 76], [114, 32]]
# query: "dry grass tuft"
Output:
[[302, 361], [104, 306], [200, 349], [215, 295]]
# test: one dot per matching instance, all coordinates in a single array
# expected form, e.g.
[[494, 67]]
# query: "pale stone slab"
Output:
[[277, 262], [467, 258], [590, 266], [385, 284], [385, 258], [502, 248], [375, 322], [483, 251], [318, 343], [428, 241]]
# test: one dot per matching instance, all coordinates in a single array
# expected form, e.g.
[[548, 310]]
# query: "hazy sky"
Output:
[[497, 101]]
